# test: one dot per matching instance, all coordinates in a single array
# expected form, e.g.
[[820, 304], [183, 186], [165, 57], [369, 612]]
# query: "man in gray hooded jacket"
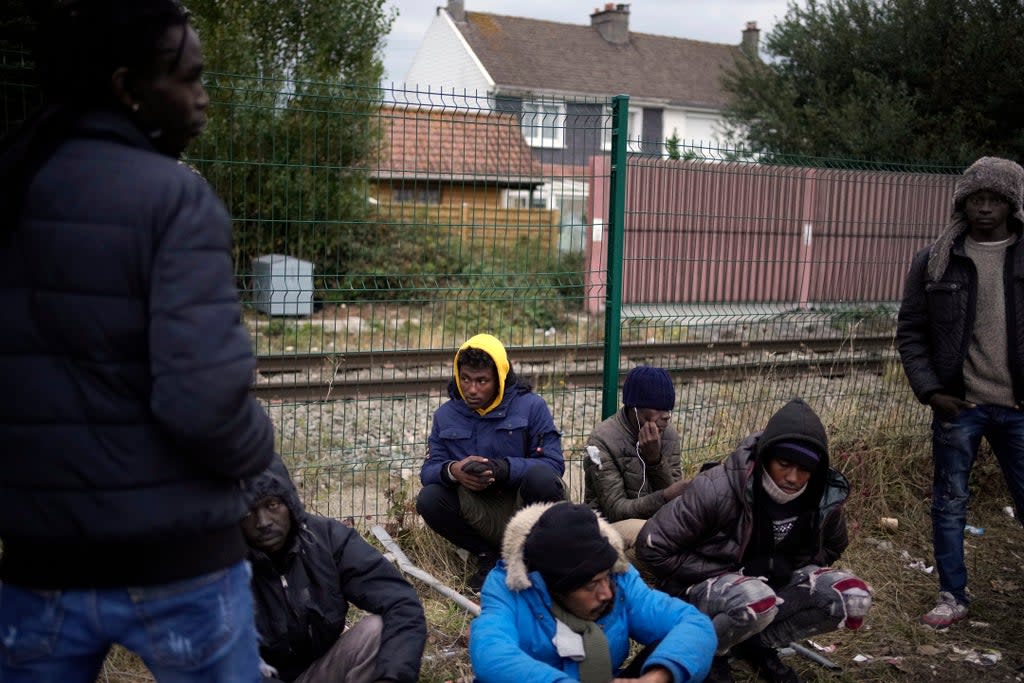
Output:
[[961, 339]]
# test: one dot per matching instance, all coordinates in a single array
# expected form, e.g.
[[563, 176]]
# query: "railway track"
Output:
[[318, 377]]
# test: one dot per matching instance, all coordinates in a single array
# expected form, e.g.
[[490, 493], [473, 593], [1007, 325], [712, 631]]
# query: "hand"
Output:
[[656, 674], [947, 407], [474, 472], [675, 489], [649, 443], [500, 469]]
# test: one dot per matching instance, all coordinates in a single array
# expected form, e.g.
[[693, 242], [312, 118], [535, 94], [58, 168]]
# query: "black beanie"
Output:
[[567, 547], [647, 387], [797, 452]]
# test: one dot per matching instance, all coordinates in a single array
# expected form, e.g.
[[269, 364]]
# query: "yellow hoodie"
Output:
[[493, 348]]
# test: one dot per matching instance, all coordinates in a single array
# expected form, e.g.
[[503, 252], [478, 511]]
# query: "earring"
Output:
[[135, 106]]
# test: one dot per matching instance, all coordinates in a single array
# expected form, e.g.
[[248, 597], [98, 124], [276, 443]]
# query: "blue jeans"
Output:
[[196, 630], [954, 448]]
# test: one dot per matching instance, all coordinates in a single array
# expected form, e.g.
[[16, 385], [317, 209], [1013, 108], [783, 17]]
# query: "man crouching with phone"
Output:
[[493, 449]]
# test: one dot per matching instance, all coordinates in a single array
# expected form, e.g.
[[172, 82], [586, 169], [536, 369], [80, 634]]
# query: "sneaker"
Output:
[[485, 562], [946, 613], [720, 671]]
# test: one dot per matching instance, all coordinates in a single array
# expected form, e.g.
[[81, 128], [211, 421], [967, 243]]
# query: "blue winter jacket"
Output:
[[126, 418], [510, 642], [520, 429]]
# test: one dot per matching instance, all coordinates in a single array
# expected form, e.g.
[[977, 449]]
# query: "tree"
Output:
[[923, 81], [294, 100]]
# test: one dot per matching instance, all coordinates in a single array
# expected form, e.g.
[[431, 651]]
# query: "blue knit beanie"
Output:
[[648, 387]]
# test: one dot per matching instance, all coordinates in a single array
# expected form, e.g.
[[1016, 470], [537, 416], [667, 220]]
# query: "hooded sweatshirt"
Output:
[[708, 530], [517, 426], [302, 593]]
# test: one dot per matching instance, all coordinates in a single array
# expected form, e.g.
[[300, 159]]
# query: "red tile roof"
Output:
[[454, 145], [532, 55]]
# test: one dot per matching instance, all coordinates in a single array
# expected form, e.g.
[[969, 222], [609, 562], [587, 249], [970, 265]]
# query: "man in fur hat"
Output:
[[961, 339], [493, 448], [749, 543], [633, 464], [564, 603]]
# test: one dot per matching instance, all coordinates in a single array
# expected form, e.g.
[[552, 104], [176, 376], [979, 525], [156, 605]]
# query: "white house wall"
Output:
[[693, 127], [445, 62]]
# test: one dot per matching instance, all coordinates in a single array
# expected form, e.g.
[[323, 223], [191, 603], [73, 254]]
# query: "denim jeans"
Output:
[[954, 449], [195, 630]]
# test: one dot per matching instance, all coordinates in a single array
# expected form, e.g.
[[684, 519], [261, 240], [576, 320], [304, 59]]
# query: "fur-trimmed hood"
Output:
[[512, 545], [987, 173]]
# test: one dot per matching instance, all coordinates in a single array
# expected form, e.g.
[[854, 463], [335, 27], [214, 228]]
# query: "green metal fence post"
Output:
[[616, 219]]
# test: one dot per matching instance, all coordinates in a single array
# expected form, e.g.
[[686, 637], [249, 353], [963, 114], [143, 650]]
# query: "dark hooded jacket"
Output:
[[126, 418], [302, 594], [937, 314], [707, 530]]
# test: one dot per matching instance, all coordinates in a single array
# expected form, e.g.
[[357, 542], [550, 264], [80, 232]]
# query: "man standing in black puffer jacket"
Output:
[[126, 419], [306, 571], [961, 340]]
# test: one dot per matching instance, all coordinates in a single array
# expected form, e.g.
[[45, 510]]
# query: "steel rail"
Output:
[[403, 359], [379, 386]]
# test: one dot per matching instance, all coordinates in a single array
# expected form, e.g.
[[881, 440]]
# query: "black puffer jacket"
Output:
[[125, 413], [705, 531], [936, 321], [301, 607], [937, 315]]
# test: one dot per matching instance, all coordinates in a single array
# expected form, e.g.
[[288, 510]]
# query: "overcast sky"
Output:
[[718, 21]]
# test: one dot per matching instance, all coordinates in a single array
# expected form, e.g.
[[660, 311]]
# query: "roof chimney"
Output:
[[751, 39], [457, 8], [612, 23]]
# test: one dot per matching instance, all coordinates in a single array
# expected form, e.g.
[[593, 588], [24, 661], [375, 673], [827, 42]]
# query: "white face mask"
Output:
[[777, 494]]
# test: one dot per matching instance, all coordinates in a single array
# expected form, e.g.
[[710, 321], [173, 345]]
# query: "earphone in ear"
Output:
[[636, 414]]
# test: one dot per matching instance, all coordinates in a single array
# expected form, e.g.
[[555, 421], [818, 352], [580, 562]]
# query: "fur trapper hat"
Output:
[[987, 173], [513, 545]]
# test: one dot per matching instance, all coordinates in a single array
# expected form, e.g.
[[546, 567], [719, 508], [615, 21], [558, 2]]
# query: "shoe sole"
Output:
[[941, 626]]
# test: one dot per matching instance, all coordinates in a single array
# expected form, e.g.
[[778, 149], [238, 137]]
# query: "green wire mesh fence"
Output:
[[377, 229]]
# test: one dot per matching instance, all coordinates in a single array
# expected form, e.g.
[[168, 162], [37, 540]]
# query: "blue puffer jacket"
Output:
[[520, 429], [510, 642], [125, 414]]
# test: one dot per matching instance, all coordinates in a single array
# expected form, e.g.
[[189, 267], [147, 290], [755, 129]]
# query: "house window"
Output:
[[633, 129], [544, 124], [523, 199], [417, 194]]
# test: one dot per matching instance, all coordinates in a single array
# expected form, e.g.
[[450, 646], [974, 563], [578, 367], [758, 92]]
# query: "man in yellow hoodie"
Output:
[[493, 449]]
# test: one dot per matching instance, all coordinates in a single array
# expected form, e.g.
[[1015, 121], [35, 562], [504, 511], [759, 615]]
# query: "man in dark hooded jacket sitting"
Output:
[[306, 571]]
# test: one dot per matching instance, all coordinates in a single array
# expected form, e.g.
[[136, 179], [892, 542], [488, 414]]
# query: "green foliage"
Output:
[[923, 81], [672, 144], [302, 117]]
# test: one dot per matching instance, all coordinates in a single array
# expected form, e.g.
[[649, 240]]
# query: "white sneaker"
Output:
[[946, 613]]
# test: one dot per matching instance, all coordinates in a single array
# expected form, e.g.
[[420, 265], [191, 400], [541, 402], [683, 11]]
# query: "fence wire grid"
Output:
[[377, 229]]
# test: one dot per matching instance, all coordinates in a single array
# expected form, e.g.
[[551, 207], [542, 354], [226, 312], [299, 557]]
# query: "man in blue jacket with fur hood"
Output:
[[564, 603]]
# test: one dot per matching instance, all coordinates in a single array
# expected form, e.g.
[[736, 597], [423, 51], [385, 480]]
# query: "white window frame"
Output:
[[523, 199], [543, 124], [634, 126]]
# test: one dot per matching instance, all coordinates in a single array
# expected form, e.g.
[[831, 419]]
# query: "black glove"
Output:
[[475, 467], [499, 466]]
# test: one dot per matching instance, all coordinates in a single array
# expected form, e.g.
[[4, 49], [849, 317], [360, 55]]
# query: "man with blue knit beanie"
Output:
[[632, 466]]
